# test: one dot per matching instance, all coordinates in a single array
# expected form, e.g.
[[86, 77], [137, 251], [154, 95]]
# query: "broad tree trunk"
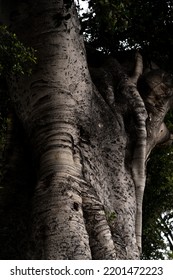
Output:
[[88, 147]]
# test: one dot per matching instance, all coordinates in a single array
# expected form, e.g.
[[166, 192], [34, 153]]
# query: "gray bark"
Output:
[[89, 140]]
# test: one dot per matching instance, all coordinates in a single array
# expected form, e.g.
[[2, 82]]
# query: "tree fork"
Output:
[[128, 87]]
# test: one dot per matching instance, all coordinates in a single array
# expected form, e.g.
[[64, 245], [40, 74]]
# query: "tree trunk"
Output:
[[88, 144]]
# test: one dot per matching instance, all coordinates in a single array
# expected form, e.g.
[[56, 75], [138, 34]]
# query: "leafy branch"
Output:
[[15, 58]]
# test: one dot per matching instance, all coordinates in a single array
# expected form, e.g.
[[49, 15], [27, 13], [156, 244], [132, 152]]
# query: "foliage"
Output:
[[15, 58], [115, 25], [111, 216], [158, 201]]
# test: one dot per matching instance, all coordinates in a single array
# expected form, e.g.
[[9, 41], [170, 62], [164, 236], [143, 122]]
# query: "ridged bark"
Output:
[[78, 145]]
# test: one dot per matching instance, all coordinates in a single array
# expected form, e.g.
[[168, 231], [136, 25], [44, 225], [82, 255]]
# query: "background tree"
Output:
[[89, 160]]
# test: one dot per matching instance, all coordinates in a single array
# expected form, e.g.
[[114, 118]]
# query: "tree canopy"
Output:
[[114, 26]]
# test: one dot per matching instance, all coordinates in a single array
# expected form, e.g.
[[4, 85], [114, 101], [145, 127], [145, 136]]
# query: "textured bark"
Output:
[[47, 104], [89, 141]]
